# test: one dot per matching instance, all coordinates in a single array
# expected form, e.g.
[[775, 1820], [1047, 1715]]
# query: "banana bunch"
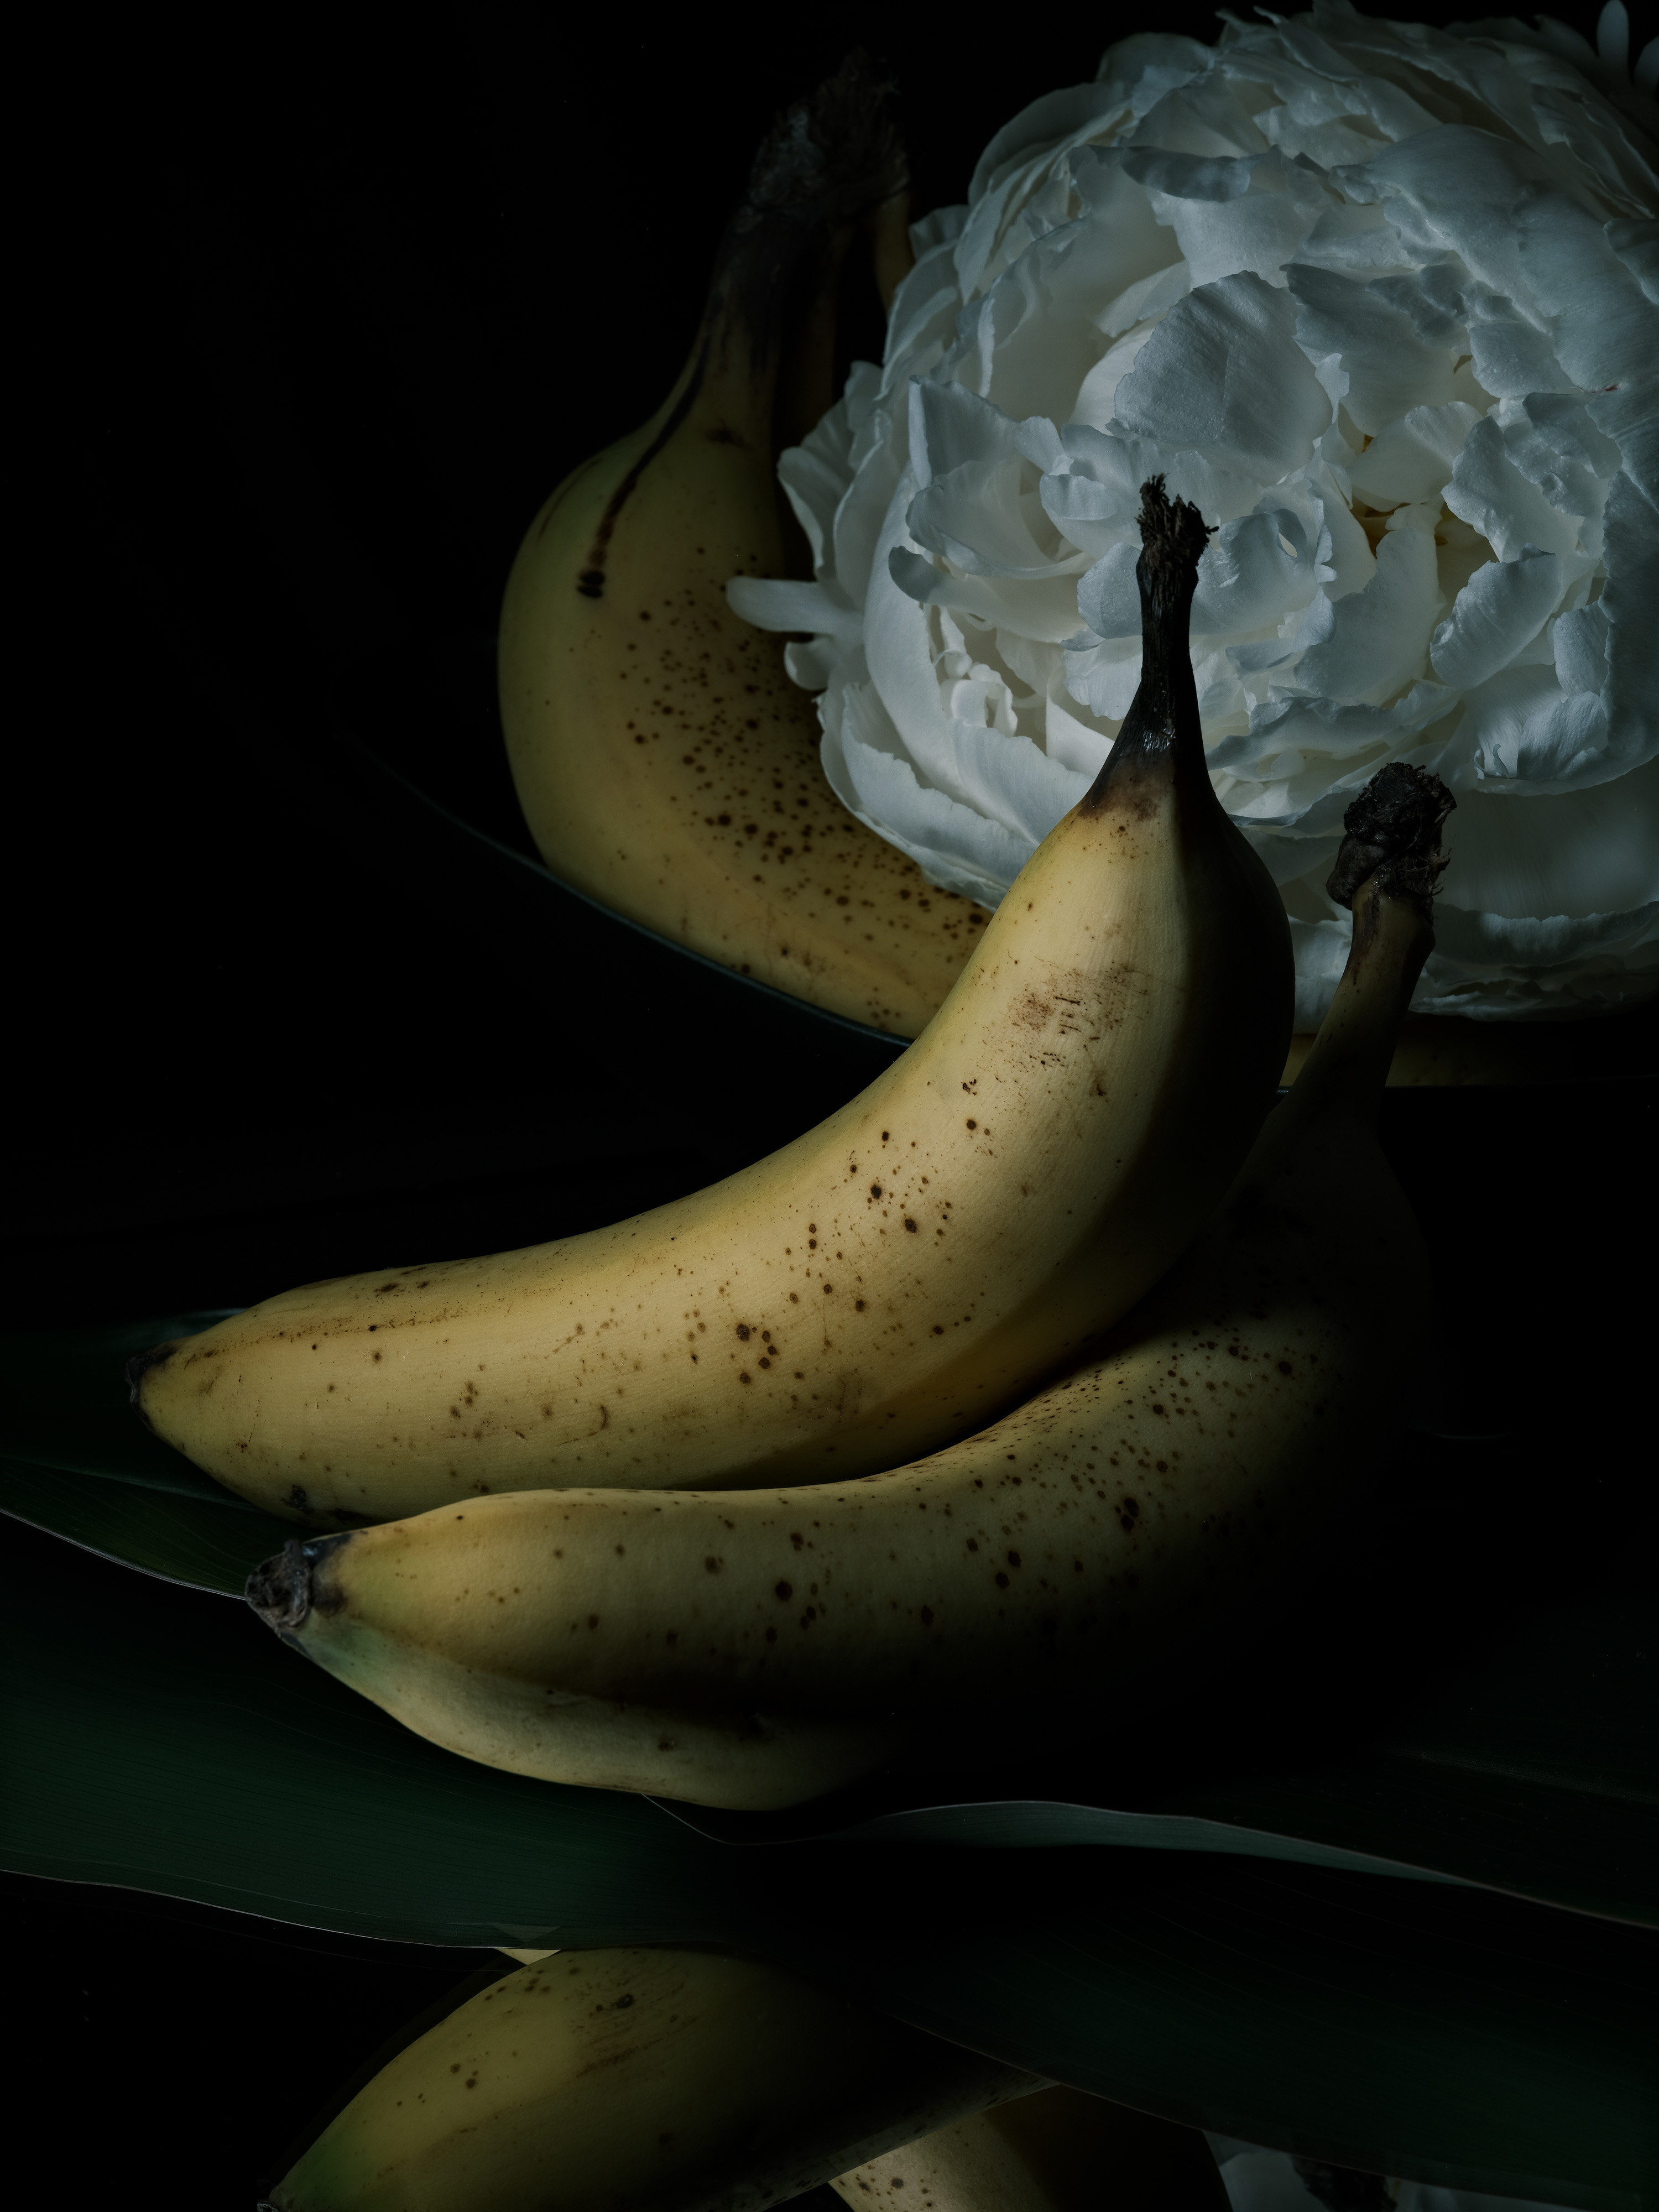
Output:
[[754, 1648], [890, 1282], [639, 2081], [665, 763]]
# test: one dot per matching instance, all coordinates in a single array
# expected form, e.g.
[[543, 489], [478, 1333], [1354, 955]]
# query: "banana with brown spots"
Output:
[[665, 763], [755, 1649], [892, 1279]]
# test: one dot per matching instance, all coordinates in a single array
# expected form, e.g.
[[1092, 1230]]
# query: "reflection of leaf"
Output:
[[75, 1459], [171, 1744]]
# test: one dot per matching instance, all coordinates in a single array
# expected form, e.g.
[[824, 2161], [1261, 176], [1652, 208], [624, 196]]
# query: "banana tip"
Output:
[[138, 1366], [279, 1590]]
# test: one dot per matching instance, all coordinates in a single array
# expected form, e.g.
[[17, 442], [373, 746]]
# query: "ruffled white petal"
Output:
[[1222, 374], [1502, 608]]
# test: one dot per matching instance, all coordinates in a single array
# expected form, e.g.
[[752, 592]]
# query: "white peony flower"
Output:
[[1380, 299]]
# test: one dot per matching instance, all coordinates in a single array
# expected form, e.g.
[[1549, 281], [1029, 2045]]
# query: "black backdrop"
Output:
[[316, 311]]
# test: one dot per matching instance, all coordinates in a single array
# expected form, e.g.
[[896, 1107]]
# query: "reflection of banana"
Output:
[[633, 2081], [1057, 2151], [891, 1279], [665, 763], [754, 1650]]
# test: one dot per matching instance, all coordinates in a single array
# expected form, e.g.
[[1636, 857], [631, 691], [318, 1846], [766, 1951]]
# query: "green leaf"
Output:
[[1534, 1771], [171, 1744], [75, 1458]]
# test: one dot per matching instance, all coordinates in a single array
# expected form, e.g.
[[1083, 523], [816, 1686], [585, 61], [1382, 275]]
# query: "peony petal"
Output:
[[1045, 611], [985, 521], [1412, 458], [1607, 329], [1491, 494], [1104, 678], [1455, 188], [1255, 572], [1042, 335], [1358, 241], [1437, 300], [953, 846], [1142, 248], [1323, 730], [1550, 437], [1250, 213], [923, 322], [1389, 367], [1637, 245], [1580, 640], [1097, 397], [1531, 736], [1222, 372], [878, 463], [1147, 64], [1554, 966], [1511, 356], [1503, 607], [1145, 302], [1108, 598], [811, 662], [1080, 746], [771, 605], [951, 427], [814, 474], [1379, 637], [1040, 139], [1630, 416], [1204, 117]]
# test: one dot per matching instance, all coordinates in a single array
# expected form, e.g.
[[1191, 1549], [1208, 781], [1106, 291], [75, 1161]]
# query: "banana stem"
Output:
[[1160, 739], [1348, 1064], [1386, 871]]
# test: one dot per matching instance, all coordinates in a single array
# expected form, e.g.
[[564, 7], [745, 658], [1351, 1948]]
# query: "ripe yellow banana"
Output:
[[753, 1649], [1058, 2150], [665, 763], [637, 2081], [891, 1280]]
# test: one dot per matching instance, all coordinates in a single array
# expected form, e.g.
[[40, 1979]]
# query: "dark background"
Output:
[[316, 315]]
